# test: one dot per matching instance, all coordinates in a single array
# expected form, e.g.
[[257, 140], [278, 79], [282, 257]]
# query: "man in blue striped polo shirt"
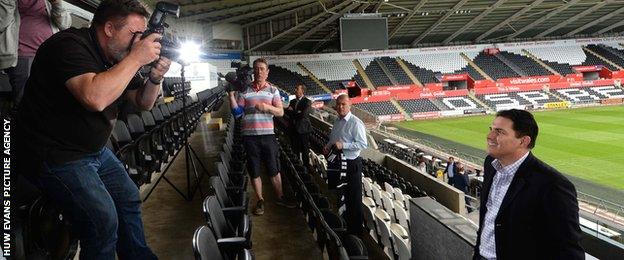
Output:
[[257, 105]]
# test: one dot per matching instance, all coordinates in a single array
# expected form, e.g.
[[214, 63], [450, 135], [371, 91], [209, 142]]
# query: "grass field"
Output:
[[587, 143]]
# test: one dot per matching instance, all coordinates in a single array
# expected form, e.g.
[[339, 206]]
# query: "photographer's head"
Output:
[[116, 23], [512, 134], [261, 70]]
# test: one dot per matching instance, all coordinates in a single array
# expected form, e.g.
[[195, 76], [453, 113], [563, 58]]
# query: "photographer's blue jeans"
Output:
[[102, 203]]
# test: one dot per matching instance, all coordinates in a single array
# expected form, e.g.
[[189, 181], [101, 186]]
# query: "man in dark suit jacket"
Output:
[[298, 112], [451, 171], [528, 209]]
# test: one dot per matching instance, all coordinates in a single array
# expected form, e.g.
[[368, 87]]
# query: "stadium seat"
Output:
[[225, 227], [207, 247], [400, 240], [383, 231]]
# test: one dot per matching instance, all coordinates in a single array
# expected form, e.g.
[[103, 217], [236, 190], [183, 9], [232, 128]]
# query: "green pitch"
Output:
[[587, 143]]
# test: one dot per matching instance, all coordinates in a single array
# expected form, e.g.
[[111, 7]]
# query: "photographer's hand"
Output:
[[147, 50], [157, 72]]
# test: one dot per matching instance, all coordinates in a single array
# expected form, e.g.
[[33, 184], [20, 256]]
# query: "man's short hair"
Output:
[[117, 11], [342, 96], [263, 60], [524, 123], [303, 87]]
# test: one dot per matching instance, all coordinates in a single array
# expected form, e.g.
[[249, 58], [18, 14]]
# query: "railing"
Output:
[[435, 146], [616, 211]]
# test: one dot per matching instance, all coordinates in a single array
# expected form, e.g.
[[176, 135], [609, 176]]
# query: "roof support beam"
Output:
[[474, 20], [238, 9], [594, 22], [298, 26], [319, 26], [294, 10], [609, 28], [406, 19], [438, 22], [572, 19], [325, 40], [506, 21], [542, 19], [263, 11], [378, 5]]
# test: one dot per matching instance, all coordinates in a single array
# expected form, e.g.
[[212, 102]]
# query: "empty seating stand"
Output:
[[494, 67], [397, 72], [529, 66], [377, 75], [589, 94], [609, 53], [379, 108], [423, 75], [418, 105], [535, 97], [288, 80], [594, 60], [474, 74]]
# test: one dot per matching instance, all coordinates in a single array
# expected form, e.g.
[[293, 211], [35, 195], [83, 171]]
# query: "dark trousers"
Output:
[[103, 205], [18, 76], [301, 145], [353, 197]]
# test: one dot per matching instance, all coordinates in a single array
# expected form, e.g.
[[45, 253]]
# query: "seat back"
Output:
[[383, 229], [401, 214], [400, 238], [223, 174], [148, 119], [220, 192], [121, 133], [215, 218], [158, 116], [355, 247], [377, 195], [135, 124], [205, 244], [386, 199]]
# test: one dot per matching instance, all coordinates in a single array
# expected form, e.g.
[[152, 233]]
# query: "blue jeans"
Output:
[[102, 203]]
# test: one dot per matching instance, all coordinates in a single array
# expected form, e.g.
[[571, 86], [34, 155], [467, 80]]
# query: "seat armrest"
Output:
[[232, 244]]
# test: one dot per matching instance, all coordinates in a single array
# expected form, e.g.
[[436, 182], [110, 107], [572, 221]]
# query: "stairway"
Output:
[[408, 72], [540, 62], [474, 65], [360, 70], [555, 94], [439, 104], [318, 82], [400, 108], [475, 99], [387, 72], [603, 58], [510, 64]]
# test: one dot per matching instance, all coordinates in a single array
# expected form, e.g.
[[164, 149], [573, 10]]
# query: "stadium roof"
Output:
[[312, 25]]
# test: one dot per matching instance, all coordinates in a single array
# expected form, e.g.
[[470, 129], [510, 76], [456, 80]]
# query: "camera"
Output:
[[156, 24], [239, 80]]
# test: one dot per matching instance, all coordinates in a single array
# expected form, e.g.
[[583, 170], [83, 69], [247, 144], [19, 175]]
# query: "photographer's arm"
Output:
[[96, 91], [145, 96]]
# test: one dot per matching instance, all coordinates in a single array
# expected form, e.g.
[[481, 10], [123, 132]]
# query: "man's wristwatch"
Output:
[[154, 81]]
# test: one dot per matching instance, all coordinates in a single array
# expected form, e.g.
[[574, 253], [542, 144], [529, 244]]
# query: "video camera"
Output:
[[239, 80], [169, 47]]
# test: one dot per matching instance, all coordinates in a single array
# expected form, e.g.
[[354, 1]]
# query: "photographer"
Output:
[[79, 79], [257, 104]]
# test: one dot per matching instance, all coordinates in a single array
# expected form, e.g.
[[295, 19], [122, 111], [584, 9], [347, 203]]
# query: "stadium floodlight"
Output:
[[190, 52]]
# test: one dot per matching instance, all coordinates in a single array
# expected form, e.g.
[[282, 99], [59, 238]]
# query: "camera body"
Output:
[[241, 79], [156, 24]]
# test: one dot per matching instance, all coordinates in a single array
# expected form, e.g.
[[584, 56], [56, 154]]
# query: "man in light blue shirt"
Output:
[[349, 135]]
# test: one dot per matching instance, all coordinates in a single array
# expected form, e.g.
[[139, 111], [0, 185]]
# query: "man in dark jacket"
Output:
[[528, 209], [298, 112]]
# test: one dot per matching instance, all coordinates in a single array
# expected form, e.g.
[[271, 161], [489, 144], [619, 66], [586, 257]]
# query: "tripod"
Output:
[[190, 157]]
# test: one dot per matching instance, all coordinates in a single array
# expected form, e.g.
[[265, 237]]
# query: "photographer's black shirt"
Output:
[[52, 126]]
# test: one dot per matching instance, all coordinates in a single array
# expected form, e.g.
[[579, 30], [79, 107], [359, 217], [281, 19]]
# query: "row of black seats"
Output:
[[227, 233], [148, 140], [329, 229]]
